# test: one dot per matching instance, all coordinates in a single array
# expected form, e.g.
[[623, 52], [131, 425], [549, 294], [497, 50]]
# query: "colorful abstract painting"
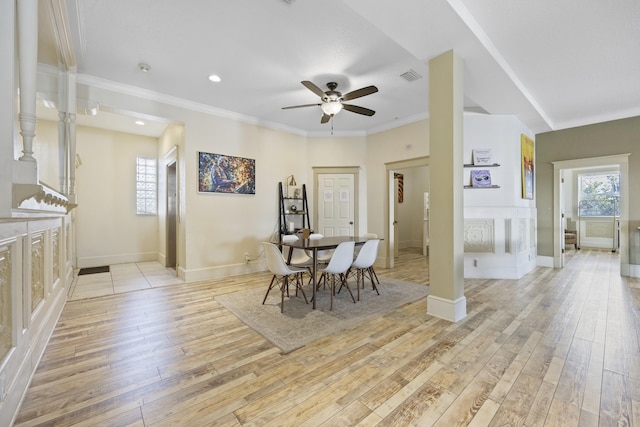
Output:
[[219, 173]]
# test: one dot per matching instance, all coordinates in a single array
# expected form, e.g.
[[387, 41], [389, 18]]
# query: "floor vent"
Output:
[[93, 270], [410, 75]]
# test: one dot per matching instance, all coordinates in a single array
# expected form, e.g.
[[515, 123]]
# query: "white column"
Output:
[[446, 259], [28, 54], [7, 103], [63, 156], [72, 107]]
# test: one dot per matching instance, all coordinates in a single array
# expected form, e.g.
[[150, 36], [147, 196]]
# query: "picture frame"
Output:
[[527, 166], [221, 173], [482, 157], [481, 178]]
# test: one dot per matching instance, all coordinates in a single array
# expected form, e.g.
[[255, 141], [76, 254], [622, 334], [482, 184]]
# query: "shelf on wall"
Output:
[[481, 188], [470, 165]]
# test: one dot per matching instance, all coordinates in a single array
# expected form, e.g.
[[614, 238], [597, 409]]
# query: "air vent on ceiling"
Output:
[[410, 75]]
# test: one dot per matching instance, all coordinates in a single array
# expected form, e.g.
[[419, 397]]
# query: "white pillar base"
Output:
[[447, 309]]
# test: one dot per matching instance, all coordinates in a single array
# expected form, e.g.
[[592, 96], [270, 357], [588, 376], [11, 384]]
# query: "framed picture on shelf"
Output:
[[482, 157], [219, 173], [481, 178]]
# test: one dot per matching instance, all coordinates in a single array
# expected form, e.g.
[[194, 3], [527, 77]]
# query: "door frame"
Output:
[[621, 160], [171, 157], [345, 170], [390, 168]]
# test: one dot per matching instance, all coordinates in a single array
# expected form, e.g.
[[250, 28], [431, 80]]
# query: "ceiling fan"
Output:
[[332, 100]]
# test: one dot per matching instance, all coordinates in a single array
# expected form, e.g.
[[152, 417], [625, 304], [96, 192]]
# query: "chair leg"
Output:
[[299, 281], [284, 285], [270, 287], [372, 276], [346, 285], [332, 288]]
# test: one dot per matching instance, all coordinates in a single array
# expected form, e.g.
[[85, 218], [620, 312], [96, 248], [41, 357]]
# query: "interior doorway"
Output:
[[563, 169], [407, 181]]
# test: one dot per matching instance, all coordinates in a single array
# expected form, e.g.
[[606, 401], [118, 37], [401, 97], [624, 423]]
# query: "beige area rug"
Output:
[[300, 324]]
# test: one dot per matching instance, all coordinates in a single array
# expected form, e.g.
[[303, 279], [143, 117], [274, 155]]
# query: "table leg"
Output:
[[313, 273]]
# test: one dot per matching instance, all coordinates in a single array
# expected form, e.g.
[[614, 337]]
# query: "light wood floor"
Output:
[[557, 348]]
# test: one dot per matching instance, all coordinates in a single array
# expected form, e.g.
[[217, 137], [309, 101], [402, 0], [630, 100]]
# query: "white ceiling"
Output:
[[554, 64]]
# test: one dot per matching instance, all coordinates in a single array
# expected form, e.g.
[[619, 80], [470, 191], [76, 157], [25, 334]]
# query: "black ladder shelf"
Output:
[[292, 209]]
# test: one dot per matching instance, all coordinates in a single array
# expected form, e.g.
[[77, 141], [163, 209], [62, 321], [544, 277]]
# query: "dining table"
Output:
[[315, 245]]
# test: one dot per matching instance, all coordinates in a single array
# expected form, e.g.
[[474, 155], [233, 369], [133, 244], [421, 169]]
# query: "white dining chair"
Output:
[[338, 266], [281, 273], [298, 256], [363, 264], [324, 255]]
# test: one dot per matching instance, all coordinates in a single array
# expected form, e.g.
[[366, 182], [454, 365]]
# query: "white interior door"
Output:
[[336, 205]]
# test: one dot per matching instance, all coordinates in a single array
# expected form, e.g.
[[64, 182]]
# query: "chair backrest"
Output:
[[367, 255], [287, 249], [275, 261], [341, 259], [322, 253], [305, 233]]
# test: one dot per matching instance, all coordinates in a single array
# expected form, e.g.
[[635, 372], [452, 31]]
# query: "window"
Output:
[[146, 186], [599, 194]]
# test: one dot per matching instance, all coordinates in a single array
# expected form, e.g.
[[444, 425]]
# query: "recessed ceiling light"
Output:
[[139, 122], [215, 78], [144, 67]]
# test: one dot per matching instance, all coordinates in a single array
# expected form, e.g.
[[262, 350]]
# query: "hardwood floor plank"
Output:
[[557, 347]]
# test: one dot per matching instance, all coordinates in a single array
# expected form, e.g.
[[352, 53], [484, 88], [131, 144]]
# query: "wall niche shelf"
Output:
[[470, 165]]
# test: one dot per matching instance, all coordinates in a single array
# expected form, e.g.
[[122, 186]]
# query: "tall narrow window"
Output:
[[599, 194], [146, 186]]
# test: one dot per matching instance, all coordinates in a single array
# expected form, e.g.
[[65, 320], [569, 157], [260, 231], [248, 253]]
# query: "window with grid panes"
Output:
[[146, 186]]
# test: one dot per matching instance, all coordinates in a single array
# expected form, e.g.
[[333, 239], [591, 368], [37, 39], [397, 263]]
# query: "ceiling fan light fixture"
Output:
[[331, 107]]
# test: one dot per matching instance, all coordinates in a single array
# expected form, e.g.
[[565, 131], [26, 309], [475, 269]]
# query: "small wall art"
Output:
[[219, 173], [528, 175], [400, 178], [480, 178], [482, 157]]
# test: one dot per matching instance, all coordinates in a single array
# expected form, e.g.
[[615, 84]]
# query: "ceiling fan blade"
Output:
[[325, 118], [313, 88], [359, 93], [300, 106], [359, 110]]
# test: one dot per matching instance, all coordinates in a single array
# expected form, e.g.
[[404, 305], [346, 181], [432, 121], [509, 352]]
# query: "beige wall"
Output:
[[603, 139]]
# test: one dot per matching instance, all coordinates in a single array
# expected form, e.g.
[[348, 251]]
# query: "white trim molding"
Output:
[[447, 309]]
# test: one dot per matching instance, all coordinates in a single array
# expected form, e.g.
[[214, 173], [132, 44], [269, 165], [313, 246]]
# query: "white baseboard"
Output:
[[447, 309], [82, 262], [544, 261], [209, 273]]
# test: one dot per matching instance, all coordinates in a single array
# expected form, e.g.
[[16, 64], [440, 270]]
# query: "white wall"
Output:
[[108, 231], [500, 230]]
